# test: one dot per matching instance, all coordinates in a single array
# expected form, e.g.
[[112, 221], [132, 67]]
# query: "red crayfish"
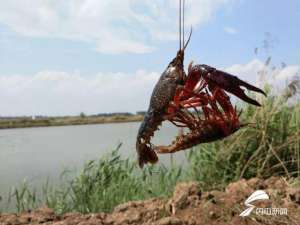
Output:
[[197, 101]]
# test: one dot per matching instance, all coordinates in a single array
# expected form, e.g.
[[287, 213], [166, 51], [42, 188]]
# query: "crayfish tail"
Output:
[[145, 155]]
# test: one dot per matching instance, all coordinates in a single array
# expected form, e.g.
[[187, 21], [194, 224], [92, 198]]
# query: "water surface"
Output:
[[36, 154]]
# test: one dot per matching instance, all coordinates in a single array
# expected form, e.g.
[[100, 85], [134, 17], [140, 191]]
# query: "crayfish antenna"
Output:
[[182, 44], [180, 25], [190, 35]]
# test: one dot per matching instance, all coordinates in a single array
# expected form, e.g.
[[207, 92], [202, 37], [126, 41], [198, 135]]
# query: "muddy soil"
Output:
[[188, 206]]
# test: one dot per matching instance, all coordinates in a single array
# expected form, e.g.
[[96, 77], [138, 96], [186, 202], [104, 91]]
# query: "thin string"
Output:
[[180, 24], [183, 9]]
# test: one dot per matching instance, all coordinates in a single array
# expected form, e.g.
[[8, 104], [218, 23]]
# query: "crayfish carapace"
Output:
[[163, 93], [197, 101]]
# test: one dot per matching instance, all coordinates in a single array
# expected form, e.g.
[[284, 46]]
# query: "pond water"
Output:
[[38, 154]]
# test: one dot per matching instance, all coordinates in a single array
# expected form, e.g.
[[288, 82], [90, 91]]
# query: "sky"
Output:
[[91, 56]]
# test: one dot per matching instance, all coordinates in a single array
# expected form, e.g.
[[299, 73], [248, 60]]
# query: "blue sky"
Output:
[[72, 48]]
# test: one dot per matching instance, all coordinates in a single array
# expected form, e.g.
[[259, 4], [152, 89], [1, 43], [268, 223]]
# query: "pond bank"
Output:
[[188, 205], [66, 121]]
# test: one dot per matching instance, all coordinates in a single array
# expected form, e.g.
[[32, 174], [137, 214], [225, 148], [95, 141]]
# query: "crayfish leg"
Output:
[[165, 149], [223, 99]]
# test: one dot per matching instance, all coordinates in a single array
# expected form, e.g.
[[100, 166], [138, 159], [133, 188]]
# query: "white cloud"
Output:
[[62, 93], [230, 30], [249, 69], [287, 73], [123, 46], [113, 26], [258, 73]]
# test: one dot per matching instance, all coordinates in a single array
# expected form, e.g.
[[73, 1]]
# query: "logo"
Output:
[[257, 195], [261, 195]]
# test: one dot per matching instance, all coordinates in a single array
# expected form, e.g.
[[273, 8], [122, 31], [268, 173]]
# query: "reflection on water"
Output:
[[36, 154]]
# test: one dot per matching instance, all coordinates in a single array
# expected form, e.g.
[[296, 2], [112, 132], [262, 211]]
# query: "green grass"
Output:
[[100, 186], [269, 146]]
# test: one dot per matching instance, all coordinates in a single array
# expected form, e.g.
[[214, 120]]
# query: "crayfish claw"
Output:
[[251, 87], [231, 84], [241, 94]]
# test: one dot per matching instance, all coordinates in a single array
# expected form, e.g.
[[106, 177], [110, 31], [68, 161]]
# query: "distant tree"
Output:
[[142, 113], [82, 115]]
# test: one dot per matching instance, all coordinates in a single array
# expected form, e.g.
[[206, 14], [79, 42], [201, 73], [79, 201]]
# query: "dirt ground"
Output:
[[188, 206]]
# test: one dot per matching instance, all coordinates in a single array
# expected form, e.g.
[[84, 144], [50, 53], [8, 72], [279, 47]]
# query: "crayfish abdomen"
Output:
[[163, 93]]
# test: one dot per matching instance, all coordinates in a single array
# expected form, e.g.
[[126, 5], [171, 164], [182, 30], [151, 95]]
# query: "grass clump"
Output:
[[100, 186], [267, 147]]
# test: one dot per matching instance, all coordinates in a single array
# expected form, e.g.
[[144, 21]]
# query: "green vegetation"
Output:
[[269, 146], [100, 186]]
